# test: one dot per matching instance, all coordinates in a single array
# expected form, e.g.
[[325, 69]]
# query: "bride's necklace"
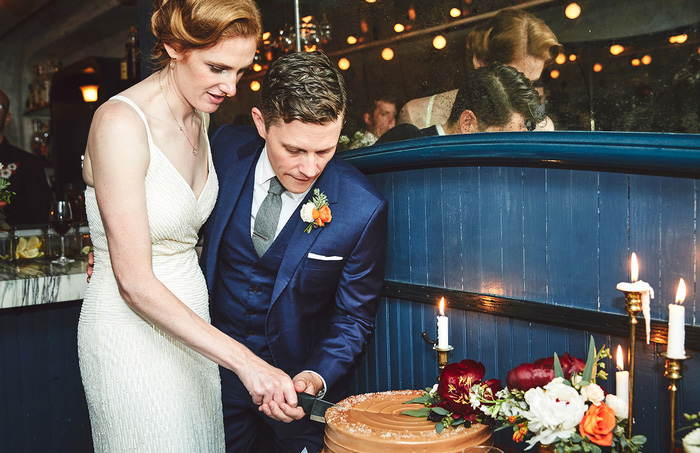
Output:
[[194, 148]]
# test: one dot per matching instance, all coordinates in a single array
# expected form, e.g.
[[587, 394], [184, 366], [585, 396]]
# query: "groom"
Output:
[[300, 293]]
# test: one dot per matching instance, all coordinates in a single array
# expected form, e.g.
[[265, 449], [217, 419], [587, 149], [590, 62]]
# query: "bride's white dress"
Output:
[[147, 392]]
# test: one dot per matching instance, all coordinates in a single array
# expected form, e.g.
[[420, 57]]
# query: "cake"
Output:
[[373, 423]]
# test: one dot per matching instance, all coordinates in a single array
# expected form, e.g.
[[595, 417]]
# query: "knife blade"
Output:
[[315, 407]]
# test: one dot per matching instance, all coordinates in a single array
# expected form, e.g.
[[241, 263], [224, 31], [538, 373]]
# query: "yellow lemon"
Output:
[[85, 250], [33, 242], [21, 244], [29, 254]]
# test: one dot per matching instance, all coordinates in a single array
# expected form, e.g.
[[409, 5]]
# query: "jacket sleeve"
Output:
[[356, 302]]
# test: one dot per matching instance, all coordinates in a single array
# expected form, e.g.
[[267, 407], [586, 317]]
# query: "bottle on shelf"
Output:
[[133, 63]]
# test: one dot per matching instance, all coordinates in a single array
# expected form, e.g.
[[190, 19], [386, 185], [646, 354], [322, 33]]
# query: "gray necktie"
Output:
[[268, 217]]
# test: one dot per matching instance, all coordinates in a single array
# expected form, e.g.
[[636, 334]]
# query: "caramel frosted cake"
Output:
[[373, 423]]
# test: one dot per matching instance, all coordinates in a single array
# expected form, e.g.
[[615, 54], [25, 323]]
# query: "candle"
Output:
[[646, 291], [442, 323], [622, 378], [676, 325]]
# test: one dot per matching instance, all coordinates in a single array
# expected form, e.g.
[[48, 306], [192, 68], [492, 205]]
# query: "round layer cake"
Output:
[[373, 423]]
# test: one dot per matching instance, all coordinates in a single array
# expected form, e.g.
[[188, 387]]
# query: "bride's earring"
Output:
[[172, 63]]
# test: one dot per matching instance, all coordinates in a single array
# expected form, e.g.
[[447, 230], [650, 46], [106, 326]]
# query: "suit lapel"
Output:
[[300, 242]]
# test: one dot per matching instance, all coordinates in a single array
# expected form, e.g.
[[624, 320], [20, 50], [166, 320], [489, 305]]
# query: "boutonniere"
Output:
[[8, 170], [316, 212]]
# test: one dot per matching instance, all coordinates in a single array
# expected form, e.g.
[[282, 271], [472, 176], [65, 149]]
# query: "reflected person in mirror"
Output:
[[495, 98], [512, 37], [32, 195], [301, 298], [379, 116]]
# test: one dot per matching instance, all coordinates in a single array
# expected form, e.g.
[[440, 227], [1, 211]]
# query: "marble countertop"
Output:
[[41, 282]]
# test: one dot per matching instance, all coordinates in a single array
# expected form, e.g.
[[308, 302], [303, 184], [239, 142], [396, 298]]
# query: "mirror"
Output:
[[624, 65]]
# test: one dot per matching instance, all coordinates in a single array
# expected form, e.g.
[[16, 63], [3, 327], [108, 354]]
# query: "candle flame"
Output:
[[442, 306], [620, 364], [634, 268], [680, 294]]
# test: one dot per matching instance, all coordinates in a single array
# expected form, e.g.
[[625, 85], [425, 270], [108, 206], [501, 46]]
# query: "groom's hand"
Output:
[[306, 382]]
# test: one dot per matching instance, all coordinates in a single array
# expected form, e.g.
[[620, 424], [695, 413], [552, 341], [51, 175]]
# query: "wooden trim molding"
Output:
[[613, 324]]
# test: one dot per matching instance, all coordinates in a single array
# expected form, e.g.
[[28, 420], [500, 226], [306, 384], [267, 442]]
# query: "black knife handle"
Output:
[[306, 401]]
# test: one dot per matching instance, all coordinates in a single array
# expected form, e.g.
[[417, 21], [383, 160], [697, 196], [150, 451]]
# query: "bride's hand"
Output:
[[273, 390]]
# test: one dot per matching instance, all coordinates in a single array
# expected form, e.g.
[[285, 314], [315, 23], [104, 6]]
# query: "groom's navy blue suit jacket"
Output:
[[321, 310]]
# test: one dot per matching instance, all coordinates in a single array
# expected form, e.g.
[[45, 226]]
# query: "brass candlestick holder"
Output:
[[443, 354], [674, 372], [633, 305]]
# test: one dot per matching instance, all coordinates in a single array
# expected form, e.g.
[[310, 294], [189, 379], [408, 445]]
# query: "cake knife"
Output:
[[315, 407]]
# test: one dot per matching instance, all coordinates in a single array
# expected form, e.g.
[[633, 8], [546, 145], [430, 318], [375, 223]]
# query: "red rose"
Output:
[[541, 372], [455, 381]]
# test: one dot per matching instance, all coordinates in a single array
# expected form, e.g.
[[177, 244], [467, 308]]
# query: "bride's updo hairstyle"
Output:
[[199, 24], [510, 34]]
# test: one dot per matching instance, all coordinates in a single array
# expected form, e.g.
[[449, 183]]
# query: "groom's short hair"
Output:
[[303, 86]]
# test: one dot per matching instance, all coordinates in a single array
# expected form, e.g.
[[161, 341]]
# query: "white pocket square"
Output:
[[314, 256]]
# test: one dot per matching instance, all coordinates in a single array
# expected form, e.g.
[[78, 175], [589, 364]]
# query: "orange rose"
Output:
[[325, 214], [598, 424]]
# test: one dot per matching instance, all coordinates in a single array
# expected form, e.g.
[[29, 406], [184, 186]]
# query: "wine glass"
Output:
[[61, 218]]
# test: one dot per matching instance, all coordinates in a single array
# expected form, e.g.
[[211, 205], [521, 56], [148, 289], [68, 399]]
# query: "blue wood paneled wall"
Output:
[[42, 404], [542, 233]]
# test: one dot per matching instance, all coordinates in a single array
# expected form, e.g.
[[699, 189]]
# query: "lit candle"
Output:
[[442, 340], [622, 378], [641, 287], [676, 325]]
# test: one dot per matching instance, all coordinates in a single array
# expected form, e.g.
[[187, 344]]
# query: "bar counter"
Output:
[[41, 282]]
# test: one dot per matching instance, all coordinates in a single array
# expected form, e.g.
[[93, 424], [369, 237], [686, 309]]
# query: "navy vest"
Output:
[[244, 282]]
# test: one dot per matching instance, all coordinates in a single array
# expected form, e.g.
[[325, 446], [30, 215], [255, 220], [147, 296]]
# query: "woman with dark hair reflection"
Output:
[[496, 98], [512, 37]]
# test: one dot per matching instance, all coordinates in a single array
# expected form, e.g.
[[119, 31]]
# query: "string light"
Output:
[[255, 85], [387, 53], [398, 28], [616, 49], [439, 42], [455, 12], [266, 36], [554, 74], [257, 67], [678, 39], [572, 11], [561, 58], [635, 62], [370, 1], [646, 59], [352, 40], [572, 57], [597, 67], [344, 64]]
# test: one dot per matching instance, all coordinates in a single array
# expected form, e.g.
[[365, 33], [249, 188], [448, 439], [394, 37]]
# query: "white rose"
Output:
[[593, 393], [691, 442], [554, 412], [307, 212], [618, 405]]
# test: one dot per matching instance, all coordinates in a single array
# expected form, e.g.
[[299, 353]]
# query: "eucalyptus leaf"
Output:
[[459, 421], [420, 400], [421, 413], [439, 410], [639, 439], [439, 427]]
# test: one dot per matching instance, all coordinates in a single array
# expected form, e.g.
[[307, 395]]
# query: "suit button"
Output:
[[250, 313], [249, 333], [256, 289]]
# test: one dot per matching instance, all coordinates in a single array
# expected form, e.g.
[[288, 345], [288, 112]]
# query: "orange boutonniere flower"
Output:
[[598, 424], [316, 212]]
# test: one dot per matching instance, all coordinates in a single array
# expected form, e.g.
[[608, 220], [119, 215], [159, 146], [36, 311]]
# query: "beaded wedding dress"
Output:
[[146, 391]]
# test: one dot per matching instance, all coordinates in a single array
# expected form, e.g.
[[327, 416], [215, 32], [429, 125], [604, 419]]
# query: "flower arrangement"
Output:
[[5, 173], [691, 441], [316, 212], [553, 401]]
